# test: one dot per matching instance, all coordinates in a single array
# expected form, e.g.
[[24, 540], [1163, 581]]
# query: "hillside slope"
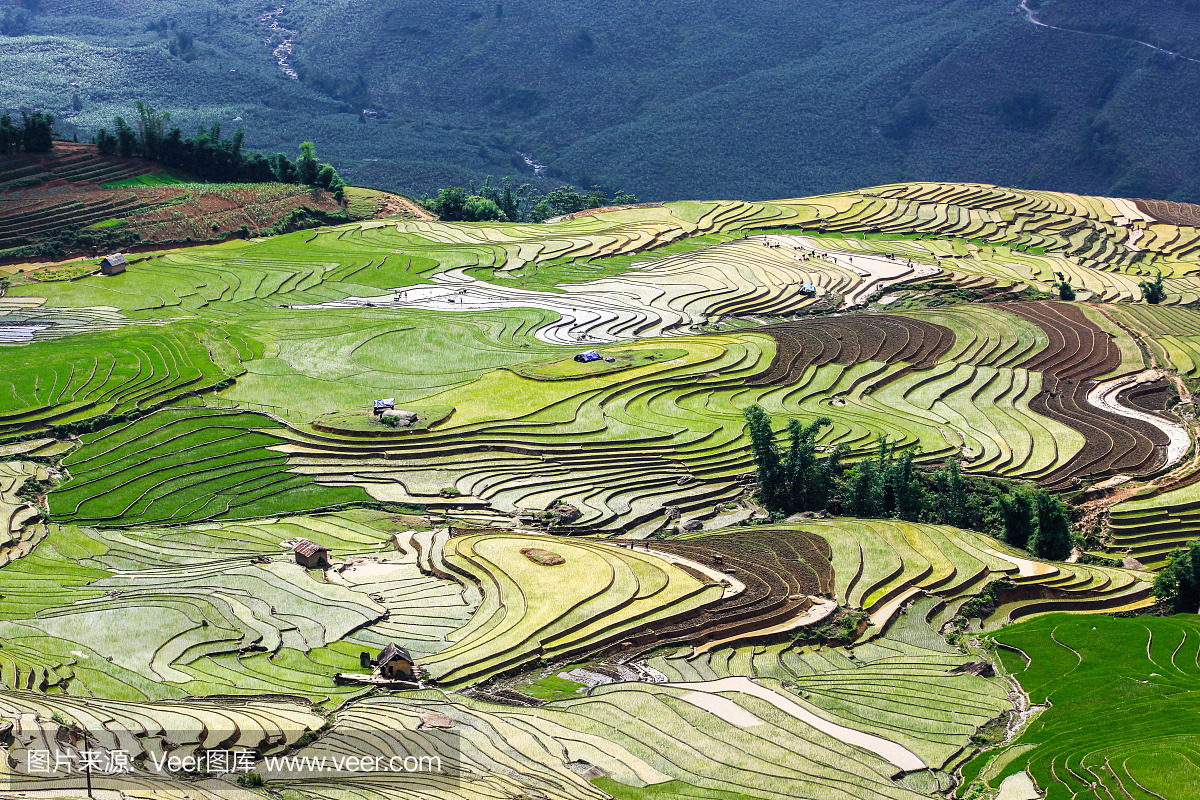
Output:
[[665, 100]]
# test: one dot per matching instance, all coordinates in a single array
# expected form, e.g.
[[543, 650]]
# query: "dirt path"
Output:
[[1104, 396], [395, 205], [706, 695], [1031, 17], [877, 271]]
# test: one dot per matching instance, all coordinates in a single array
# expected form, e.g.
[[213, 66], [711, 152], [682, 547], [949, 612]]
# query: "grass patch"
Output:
[[164, 178], [107, 223], [551, 688], [1124, 695]]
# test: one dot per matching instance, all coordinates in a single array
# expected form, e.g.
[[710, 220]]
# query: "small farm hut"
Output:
[[587, 355], [807, 288], [311, 555], [386, 404], [395, 664], [113, 264]]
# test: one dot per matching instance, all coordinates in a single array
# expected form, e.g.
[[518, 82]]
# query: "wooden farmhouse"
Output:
[[311, 555], [395, 664], [113, 264]]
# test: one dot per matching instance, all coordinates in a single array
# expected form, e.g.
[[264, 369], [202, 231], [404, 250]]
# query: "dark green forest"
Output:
[[662, 99]]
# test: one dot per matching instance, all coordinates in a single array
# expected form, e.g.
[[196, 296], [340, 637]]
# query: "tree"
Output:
[[325, 176], [1017, 517], [903, 490], [1177, 585], [151, 126], [307, 167], [1065, 292], [106, 143], [1053, 538], [285, 171], [455, 204], [37, 133], [1153, 292], [10, 135], [126, 137], [951, 503], [481, 209], [863, 493], [796, 480], [767, 463], [808, 480], [510, 201]]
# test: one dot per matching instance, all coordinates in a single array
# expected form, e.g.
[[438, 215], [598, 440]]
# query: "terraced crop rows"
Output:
[[163, 551]]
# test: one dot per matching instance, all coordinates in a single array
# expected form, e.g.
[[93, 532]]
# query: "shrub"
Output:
[[1153, 292]]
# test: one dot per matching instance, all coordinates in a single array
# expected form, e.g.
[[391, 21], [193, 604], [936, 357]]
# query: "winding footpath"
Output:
[[1031, 18], [709, 696]]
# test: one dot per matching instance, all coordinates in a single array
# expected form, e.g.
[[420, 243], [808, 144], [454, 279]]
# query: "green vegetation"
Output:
[[170, 434], [186, 465], [209, 156], [1153, 291], [932, 106], [35, 134], [1177, 585], [505, 204], [165, 178], [1123, 696], [795, 480], [892, 486]]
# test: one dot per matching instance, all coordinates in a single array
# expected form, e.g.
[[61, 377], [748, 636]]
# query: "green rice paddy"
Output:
[[171, 433]]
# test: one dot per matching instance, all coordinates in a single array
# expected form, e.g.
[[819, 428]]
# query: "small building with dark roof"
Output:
[[113, 264], [588, 355], [395, 664], [311, 555]]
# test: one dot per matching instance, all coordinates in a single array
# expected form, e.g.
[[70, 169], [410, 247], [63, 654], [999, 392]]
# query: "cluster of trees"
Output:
[[794, 477], [1153, 292], [506, 203], [1177, 585], [35, 134], [208, 156], [1065, 291]]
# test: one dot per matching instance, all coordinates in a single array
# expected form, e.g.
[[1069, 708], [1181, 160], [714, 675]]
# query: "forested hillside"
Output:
[[664, 99]]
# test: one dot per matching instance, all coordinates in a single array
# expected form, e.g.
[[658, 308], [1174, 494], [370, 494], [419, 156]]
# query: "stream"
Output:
[[281, 40]]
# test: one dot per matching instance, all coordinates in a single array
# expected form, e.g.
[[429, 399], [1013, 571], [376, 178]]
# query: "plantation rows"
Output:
[[1103, 245], [902, 687], [781, 571], [213, 610], [980, 398], [851, 340], [1072, 751], [1077, 353], [73, 164], [128, 367], [794, 722], [182, 465], [881, 565], [535, 611]]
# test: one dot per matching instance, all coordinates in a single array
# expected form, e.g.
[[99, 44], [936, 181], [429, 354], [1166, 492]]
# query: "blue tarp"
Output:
[[388, 403], [587, 355]]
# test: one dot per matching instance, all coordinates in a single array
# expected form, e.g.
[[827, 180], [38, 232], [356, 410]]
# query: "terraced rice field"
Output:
[[1070, 662], [560, 551], [76, 189]]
